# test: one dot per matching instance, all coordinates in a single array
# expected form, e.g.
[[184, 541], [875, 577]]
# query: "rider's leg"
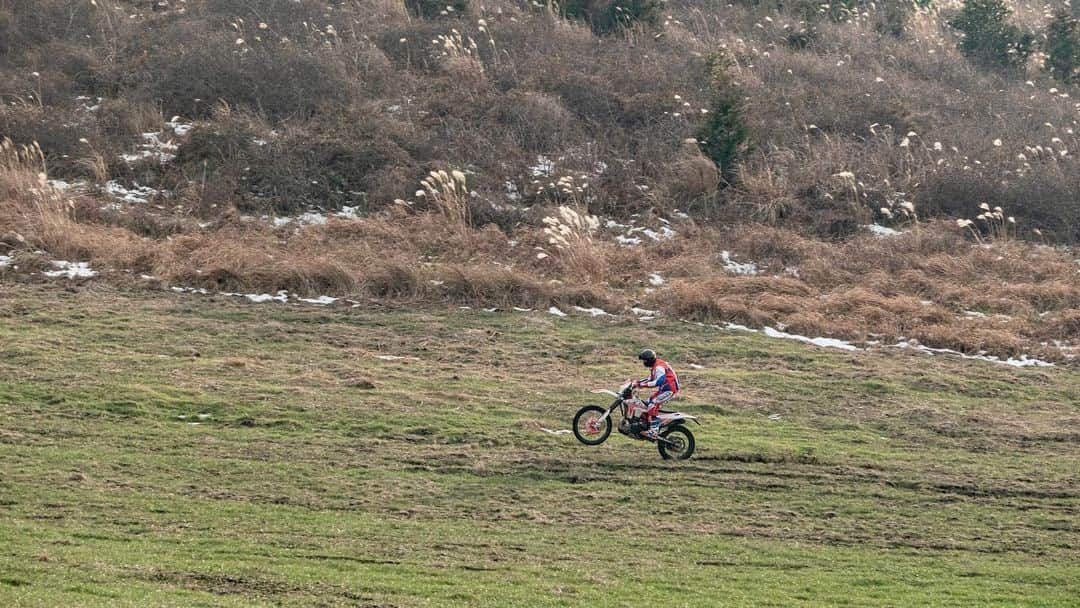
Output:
[[652, 416]]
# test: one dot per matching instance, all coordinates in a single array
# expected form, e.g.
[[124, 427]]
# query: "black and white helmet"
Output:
[[648, 357]]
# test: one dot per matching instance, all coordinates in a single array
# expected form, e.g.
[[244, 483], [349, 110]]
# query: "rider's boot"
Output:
[[654, 429]]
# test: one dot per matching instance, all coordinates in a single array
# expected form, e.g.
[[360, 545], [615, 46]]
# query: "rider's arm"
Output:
[[652, 382]]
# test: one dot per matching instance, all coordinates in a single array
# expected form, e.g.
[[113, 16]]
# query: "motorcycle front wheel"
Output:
[[681, 444], [588, 426]]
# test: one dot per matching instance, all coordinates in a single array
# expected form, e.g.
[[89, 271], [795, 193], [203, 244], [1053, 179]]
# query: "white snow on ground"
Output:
[[135, 194], [1023, 361], [731, 265], [631, 234], [180, 128], [879, 230], [71, 270], [643, 312], [61, 185], [665, 233], [656, 280], [5, 261], [518, 309], [282, 296], [595, 312], [259, 298], [92, 106], [824, 342], [309, 218], [558, 432], [152, 148], [395, 358], [512, 193], [555, 311], [200, 290], [544, 166]]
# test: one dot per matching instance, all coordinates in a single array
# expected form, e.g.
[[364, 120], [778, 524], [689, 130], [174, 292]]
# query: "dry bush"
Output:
[[279, 79], [1063, 326], [537, 122], [815, 324]]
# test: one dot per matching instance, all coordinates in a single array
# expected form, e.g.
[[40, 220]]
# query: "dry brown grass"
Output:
[[355, 106]]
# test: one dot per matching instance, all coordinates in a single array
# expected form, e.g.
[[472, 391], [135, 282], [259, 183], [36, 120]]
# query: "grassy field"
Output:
[[193, 451]]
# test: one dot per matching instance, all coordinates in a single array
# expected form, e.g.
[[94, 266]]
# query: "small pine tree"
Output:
[[1063, 47], [988, 38], [723, 136]]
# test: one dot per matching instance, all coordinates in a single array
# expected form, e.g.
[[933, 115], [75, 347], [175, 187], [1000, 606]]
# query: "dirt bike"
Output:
[[592, 424]]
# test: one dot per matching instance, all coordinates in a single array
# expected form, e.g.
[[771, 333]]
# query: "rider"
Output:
[[663, 379]]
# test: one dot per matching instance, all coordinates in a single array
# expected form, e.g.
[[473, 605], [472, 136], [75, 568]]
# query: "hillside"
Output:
[[856, 174], [241, 454]]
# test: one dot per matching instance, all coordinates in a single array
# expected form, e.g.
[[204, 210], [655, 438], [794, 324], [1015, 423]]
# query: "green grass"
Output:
[[319, 474]]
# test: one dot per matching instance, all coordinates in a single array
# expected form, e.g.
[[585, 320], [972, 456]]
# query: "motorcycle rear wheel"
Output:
[[587, 425], [682, 439]]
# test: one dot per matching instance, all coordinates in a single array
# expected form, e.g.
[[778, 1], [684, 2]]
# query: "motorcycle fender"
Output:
[[682, 419]]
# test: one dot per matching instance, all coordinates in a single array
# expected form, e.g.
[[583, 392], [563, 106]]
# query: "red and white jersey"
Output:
[[662, 378]]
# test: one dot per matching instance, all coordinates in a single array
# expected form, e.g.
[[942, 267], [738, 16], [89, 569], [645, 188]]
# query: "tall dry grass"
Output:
[[298, 106]]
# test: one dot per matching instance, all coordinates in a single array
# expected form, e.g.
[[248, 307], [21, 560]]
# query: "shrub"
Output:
[[536, 122], [893, 17], [279, 80], [1063, 46], [988, 39], [430, 9], [723, 136], [609, 16]]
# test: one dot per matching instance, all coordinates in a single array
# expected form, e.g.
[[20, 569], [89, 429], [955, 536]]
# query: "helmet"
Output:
[[648, 357]]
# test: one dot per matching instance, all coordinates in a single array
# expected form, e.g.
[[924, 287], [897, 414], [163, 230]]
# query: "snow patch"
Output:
[[153, 148], [5, 261], [555, 311], [595, 312], [199, 290], [321, 300], [259, 298], [879, 230], [823, 342], [71, 270], [730, 265], [62, 186], [180, 128], [315, 217], [1023, 361], [544, 166], [558, 432], [656, 280], [136, 194]]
